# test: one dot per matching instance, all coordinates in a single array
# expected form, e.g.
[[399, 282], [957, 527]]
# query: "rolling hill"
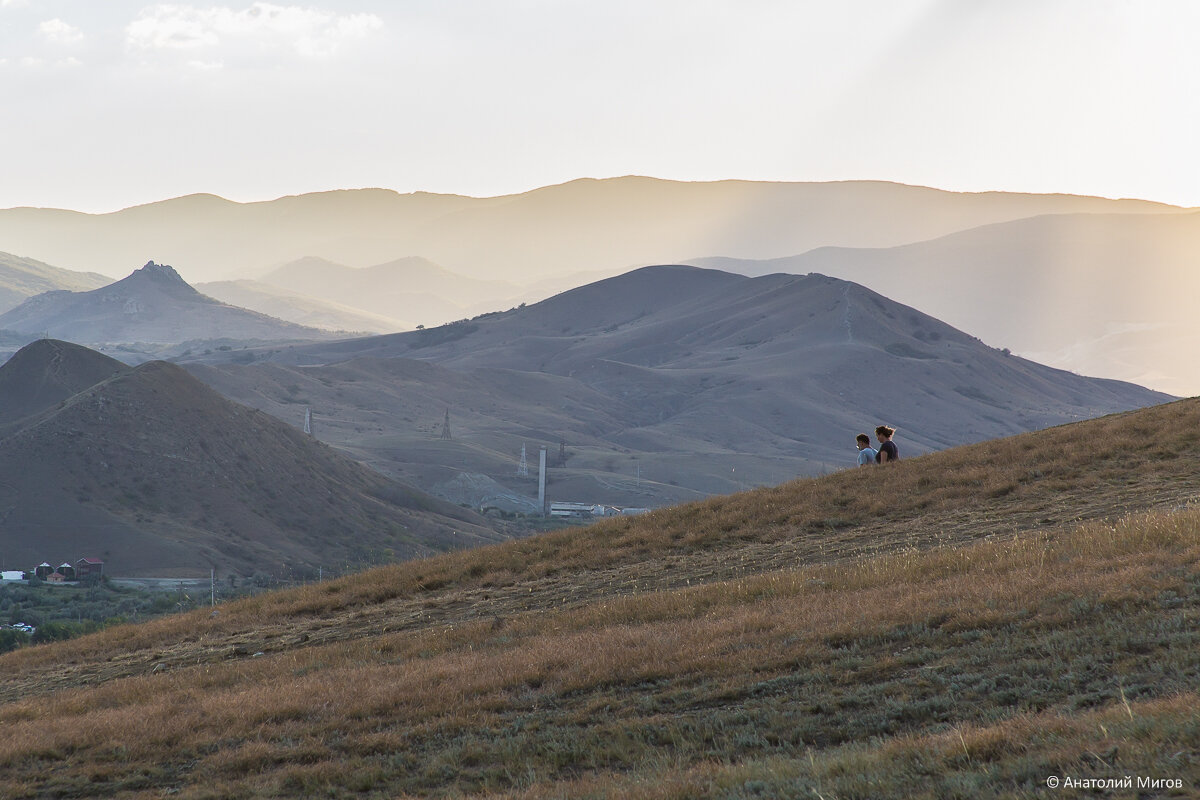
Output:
[[664, 384], [156, 474], [969, 623], [22, 278], [46, 373]]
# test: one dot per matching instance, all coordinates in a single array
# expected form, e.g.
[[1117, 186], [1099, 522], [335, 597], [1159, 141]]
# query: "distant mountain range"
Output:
[[156, 474], [663, 384], [611, 225], [1072, 281]]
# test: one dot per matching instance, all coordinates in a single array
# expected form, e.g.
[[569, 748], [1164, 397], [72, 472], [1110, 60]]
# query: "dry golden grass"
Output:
[[268, 723], [918, 645], [1021, 753]]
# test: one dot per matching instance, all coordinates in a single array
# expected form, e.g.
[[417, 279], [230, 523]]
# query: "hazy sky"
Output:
[[111, 103]]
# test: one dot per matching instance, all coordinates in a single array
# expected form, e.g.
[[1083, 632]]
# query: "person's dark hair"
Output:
[[862, 437], [884, 430]]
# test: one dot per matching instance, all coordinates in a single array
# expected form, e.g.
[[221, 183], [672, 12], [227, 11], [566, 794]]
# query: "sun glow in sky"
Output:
[[110, 104]]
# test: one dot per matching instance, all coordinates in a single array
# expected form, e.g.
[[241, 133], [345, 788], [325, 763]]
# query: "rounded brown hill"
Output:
[[157, 474], [46, 372]]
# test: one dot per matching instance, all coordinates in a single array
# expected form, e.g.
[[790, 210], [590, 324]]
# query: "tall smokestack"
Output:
[[542, 480]]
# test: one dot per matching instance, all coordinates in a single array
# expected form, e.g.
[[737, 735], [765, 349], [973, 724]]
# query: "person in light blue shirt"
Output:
[[866, 453]]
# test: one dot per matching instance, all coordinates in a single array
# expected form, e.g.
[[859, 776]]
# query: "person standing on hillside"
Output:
[[866, 453], [887, 448]]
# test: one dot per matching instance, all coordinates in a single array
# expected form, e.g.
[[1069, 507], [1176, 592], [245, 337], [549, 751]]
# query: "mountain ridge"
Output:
[[595, 224]]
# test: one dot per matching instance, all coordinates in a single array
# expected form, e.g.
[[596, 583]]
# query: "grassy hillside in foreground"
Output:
[[965, 624]]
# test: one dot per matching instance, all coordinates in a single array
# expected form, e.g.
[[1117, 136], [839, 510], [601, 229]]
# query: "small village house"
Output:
[[87, 568]]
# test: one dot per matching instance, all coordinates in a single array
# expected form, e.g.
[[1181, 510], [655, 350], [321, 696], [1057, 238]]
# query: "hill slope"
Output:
[[47, 372], [152, 305], [669, 382], [22, 278], [157, 474], [968, 623]]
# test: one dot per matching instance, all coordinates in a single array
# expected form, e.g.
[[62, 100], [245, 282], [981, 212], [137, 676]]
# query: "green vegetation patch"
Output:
[[61, 612]]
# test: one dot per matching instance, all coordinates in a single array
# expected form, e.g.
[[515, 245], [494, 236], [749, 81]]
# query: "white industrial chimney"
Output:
[[542, 481]]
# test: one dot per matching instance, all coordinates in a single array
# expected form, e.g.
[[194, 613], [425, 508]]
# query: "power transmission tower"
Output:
[[523, 469], [446, 426]]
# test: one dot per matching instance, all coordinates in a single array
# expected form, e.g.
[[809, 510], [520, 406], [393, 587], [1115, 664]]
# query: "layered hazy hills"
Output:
[[944, 252], [152, 305], [1108, 295], [301, 309], [157, 474], [409, 289], [686, 380], [384, 298], [22, 278], [584, 225]]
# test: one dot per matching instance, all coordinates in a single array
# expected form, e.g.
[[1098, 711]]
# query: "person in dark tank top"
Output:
[[887, 448]]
